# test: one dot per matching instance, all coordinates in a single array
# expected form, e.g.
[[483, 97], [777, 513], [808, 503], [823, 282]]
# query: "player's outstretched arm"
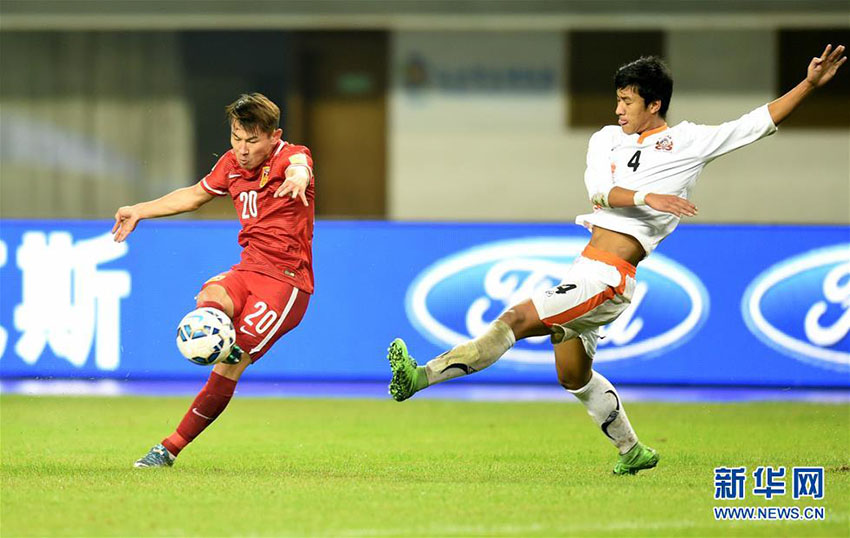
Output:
[[668, 203], [821, 70], [173, 203], [295, 184]]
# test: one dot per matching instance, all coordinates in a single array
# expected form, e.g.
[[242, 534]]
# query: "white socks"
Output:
[[472, 356], [603, 405]]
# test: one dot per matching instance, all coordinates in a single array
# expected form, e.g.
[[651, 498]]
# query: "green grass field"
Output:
[[277, 467]]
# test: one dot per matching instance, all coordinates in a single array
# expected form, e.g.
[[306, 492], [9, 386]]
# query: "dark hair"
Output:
[[650, 78], [255, 113]]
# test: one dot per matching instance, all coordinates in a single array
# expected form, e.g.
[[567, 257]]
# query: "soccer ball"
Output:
[[205, 336]]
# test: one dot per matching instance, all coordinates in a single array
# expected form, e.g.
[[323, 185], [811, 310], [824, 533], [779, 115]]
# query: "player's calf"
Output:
[[464, 359], [603, 404], [207, 406], [472, 356]]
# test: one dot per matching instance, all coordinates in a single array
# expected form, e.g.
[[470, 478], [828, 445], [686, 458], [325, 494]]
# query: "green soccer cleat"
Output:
[[638, 458], [404, 383], [158, 456], [235, 355]]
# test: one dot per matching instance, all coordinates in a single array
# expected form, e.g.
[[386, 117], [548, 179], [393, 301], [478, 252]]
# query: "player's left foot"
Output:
[[158, 456], [638, 458], [235, 355], [405, 381]]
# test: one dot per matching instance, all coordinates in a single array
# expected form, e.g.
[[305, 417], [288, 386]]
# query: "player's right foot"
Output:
[[405, 381], [638, 458], [158, 456]]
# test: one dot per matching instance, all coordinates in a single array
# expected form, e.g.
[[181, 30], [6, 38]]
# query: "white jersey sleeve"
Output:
[[598, 176], [712, 141]]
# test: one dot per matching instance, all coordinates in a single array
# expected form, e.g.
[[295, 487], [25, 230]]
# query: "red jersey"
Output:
[[277, 233]]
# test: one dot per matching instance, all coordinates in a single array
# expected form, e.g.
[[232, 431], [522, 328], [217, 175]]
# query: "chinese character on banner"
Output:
[[66, 301], [729, 482], [769, 482], [807, 482]]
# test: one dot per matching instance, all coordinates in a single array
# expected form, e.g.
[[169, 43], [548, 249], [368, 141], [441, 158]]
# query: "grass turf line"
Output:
[[277, 467]]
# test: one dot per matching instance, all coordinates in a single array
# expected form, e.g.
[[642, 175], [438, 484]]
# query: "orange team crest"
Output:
[[265, 177], [664, 144]]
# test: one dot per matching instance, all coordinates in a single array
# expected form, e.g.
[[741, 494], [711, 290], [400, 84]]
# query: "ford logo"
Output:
[[456, 298], [801, 307]]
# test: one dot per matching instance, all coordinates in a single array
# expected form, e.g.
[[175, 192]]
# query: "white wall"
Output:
[[90, 121], [796, 175], [501, 151]]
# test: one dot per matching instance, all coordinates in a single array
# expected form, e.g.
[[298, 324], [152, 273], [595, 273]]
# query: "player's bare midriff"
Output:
[[619, 244]]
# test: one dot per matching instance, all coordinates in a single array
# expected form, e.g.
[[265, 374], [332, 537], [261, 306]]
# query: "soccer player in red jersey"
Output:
[[267, 292]]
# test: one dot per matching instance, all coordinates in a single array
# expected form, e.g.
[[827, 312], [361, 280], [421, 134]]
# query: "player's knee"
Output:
[[523, 321], [573, 379], [212, 293], [513, 319], [216, 294]]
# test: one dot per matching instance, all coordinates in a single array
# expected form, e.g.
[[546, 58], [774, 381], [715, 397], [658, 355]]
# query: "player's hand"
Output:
[[823, 68], [672, 204], [126, 219], [294, 186]]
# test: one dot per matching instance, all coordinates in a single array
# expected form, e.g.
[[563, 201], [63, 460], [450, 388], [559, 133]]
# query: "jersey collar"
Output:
[[651, 132]]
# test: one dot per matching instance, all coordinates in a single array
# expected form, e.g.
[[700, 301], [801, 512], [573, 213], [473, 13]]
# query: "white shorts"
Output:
[[597, 288]]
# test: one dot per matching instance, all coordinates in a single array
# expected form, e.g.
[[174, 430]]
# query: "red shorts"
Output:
[[264, 308]]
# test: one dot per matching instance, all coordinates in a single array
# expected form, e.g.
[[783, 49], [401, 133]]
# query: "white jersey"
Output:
[[662, 161]]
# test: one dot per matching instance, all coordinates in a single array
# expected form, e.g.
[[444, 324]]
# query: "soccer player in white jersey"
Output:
[[639, 176]]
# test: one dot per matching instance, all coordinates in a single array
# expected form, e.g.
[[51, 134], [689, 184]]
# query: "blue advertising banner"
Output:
[[715, 305]]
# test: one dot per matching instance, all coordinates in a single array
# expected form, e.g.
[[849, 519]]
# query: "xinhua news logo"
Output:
[[769, 483]]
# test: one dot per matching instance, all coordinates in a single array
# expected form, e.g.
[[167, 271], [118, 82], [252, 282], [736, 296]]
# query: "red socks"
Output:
[[208, 405]]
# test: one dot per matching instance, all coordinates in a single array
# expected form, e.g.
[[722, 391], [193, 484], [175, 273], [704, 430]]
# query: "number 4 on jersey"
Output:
[[634, 162]]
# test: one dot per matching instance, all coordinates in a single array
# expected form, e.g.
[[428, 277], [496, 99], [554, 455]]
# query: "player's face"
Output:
[[634, 116], [252, 148]]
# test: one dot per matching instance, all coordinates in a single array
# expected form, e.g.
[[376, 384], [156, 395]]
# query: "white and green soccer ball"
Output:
[[205, 336]]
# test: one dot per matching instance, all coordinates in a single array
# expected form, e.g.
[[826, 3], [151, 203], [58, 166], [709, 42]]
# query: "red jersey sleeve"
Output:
[[294, 156], [301, 156], [216, 181]]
